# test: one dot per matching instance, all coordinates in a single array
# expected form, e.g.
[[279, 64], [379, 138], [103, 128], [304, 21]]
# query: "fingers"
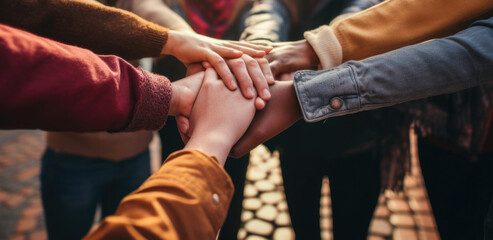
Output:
[[264, 48], [222, 69], [228, 52], [257, 75], [183, 125], [249, 74], [239, 68], [264, 66], [259, 103], [246, 49]]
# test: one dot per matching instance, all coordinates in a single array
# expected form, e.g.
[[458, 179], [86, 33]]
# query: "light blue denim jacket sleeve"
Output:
[[436, 67]]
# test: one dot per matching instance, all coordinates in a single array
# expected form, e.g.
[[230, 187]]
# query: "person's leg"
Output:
[[488, 223], [355, 187], [483, 194], [128, 175], [69, 190], [302, 176], [236, 168], [447, 178]]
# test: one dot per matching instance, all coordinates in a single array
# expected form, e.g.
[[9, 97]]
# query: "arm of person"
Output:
[[390, 25], [191, 186], [249, 71], [57, 87], [432, 68], [384, 27]]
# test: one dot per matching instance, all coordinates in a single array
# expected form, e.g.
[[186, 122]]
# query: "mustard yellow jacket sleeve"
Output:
[[393, 24], [187, 198]]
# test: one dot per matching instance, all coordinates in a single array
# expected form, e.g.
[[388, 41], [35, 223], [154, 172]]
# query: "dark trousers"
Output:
[[72, 186], [460, 191]]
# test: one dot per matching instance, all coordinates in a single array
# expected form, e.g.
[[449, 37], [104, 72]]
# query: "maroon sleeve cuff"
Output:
[[153, 103]]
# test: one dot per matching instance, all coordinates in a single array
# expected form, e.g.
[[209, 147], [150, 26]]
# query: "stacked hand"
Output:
[[218, 119], [227, 57]]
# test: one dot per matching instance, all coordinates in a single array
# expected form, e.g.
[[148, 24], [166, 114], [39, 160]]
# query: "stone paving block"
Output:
[[381, 227], [252, 204], [282, 206], [17, 237], [411, 181], [425, 221], [27, 174], [326, 223], [3, 196], [428, 235], [382, 199], [419, 205], [14, 200], [398, 205], [242, 234], [373, 237], [250, 191], [267, 213], [402, 220], [32, 211], [275, 179], [404, 234], [259, 227], [26, 191], [381, 211], [255, 174], [25, 224], [271, 197], [325, 211], [417, 193], [38, 235], [283, 219], [246, 216], [264, 186], [283, 233], [255, 237], [325, 201], [326, 235]]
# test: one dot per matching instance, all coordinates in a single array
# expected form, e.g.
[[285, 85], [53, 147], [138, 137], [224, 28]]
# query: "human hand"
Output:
[[184, 93], [218, 119], [282, 111], [191, 47], [249, 73], [292, 56]]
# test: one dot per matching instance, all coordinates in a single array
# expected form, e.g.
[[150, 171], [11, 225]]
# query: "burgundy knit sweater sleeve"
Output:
[[104, 30], [52, 86]]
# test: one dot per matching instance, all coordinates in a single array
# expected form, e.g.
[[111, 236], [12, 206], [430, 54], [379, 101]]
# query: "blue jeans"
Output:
[[72, 186]]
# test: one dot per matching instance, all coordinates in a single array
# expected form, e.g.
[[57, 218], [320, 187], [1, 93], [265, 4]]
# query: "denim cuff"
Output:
[[327, 93]]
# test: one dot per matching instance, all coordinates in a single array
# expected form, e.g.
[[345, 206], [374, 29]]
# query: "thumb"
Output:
[[183, 125]]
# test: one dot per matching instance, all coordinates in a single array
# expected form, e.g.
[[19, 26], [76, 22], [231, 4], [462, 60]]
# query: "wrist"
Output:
[[212, 144], [325, 45], [175, 100], [170, 43]]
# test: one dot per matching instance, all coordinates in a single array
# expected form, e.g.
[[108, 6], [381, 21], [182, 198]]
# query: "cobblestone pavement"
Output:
[[400, 216], [265, 215]]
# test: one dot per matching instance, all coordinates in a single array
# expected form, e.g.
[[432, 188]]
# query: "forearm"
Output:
[[102, 29], [157, 12], [432, 68], [57, 87], [190, 187], [393, 24]]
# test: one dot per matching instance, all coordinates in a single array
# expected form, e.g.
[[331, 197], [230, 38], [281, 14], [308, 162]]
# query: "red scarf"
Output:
[[209, 17]]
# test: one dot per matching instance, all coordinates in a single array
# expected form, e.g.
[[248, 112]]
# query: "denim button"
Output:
[[215, 198], [336, 103]]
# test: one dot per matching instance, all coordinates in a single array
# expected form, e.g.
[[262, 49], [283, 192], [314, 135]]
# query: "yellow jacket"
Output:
[[187, 198], [393, 24]]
